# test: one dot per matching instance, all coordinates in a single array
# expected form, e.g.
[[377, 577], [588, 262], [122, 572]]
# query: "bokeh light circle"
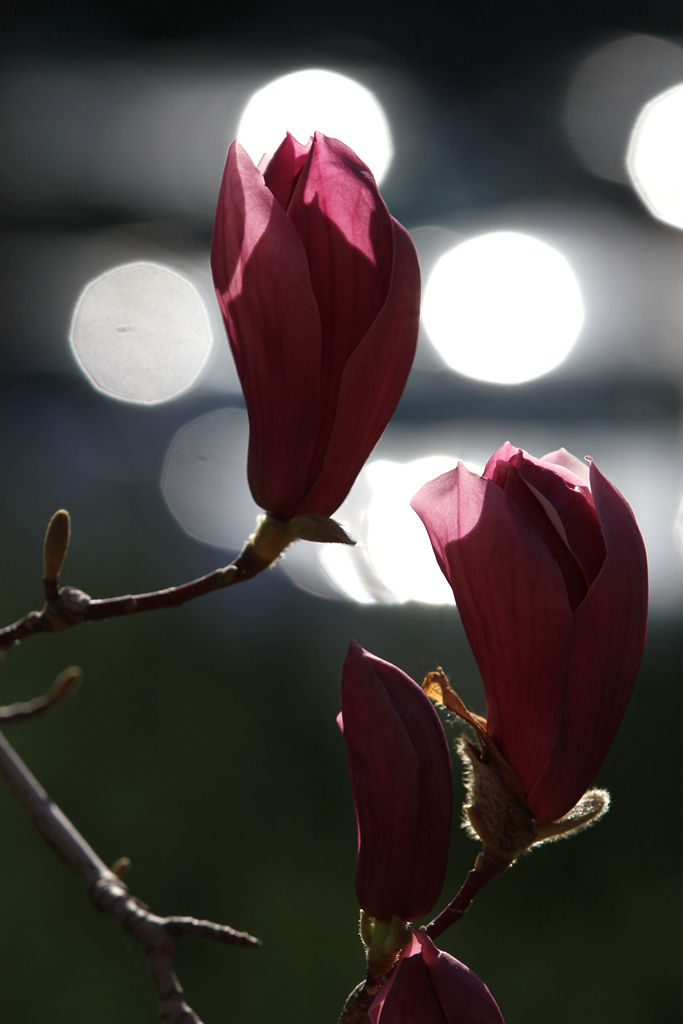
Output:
[[140, 333], [608, 89], [397, 542], [393, 561], [678, 528], [503, 307], [204, 481], [315, 99], [655, 156]]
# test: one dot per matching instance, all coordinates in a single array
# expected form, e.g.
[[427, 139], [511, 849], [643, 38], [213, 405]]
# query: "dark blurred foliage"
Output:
[[203, 746], [203, 742]]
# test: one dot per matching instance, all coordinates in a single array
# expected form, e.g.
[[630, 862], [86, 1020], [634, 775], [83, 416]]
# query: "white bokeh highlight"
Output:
[[678, 529], [608, 88], [397, 542], [655, 156], [311, 100], [392, 561], [203, 479], [140, 333], [503, 307], [346, 573]]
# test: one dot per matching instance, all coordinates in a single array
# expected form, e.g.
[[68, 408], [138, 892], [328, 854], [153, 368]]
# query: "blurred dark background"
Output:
[[203, 742]]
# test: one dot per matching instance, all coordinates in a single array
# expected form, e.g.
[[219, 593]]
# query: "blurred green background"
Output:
[[203, 745], [203, 742]]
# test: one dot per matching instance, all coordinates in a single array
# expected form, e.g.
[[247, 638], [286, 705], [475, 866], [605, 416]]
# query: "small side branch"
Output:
[[65, 683], [66, 607], [156, 935]]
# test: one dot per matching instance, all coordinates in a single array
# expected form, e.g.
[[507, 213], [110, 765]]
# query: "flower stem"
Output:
[[485, 869], [355, 1010]]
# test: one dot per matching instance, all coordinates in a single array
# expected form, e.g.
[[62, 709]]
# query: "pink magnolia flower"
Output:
[[401, 779], [549, 573], [319, 288], [429, 986]]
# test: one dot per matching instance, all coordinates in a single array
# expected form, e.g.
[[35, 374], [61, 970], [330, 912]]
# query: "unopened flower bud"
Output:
[[400, 770], [55, 545], [319, 288]]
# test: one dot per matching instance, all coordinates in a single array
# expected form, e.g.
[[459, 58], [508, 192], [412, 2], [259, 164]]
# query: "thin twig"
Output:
[[66, 682], [68, 606], [157, 935], [177, 926]]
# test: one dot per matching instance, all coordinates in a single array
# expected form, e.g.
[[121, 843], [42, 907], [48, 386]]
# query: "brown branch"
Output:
[[156, 935], [66, 682], [69, 606], [66, 607]]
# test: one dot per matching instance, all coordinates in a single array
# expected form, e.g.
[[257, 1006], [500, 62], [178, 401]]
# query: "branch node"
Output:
[[106, 891]]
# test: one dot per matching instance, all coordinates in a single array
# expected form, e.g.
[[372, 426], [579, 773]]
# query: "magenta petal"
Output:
[[540, 516], [464, 997], [260, 272], [558, 654], [319, 290], [402, 787], [513, 605], [609, 636], [347, 234], [500, 459], [365, 400], [570, 508], [282, 170], [430, 986], [554, 497], [346, 231], [578, 467], [408, 997]]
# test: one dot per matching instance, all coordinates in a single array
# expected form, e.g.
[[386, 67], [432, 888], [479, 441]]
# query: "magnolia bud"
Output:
[[55, 545]]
